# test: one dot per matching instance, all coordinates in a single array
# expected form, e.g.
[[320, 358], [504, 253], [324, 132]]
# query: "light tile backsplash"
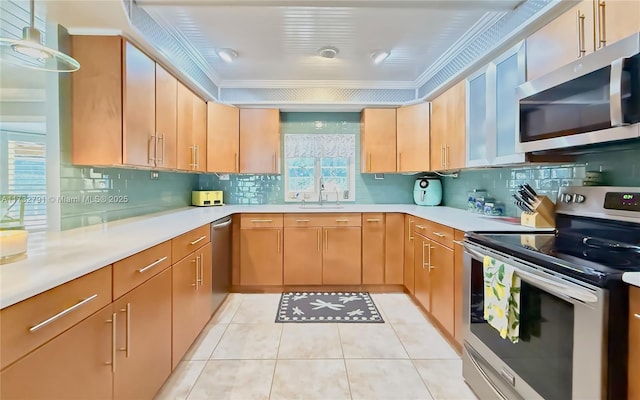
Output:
[[269, 189]]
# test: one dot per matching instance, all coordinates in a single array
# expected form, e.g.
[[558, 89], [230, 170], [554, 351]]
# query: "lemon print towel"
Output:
[[502, 298]]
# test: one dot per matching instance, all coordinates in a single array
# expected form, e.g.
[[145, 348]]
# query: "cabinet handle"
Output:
[[197, 157], [302, 220], [410, 222], [161, 140], [318, 237], [278, 240], [152, 139], [112, 321], [373, 219], [342, 220], [637, 316], [459, 242], [446, 157], [262, 220], [420, 227], [195, 262], [200, 239], [580, 22], [438, 234], [602, 24], [442, 155], [62, 313], [423, 246], [193, 157], [200, 271], [153, 264], [430, 266], [326, 238], [127, 310]]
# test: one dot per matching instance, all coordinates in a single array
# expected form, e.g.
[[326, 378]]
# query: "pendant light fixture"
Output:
[[30, 53]]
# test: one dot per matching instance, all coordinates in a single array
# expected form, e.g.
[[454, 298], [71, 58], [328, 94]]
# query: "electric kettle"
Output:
[[427, 192]]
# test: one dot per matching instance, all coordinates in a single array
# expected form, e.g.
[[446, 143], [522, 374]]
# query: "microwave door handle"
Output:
[[615, 93]]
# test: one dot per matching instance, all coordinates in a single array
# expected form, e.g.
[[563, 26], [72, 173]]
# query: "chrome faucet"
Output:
[[321, 190]]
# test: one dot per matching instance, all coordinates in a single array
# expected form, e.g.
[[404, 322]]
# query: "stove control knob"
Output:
[[578, 198], [566, 198]]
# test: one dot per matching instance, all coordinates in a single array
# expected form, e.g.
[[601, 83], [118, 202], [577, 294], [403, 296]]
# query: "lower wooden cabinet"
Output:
[[74, 365], [303, 256], [143, 357], [458, 282], [422, 278], [342, 261], [261, 256], [409, 272], [394, 249], [191, 300], [373, 248], [634, 344], [442, 287]]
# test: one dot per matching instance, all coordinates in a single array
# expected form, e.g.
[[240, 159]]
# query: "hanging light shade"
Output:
[[30, 53]]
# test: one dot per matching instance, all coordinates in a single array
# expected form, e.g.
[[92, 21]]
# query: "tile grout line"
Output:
[[196, 380], [275, 365], [344, 361]]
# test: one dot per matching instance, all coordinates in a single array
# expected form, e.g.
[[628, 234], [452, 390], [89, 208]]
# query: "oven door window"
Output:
[[543, 357]]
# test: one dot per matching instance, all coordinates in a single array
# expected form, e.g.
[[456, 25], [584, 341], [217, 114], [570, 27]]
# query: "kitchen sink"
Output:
[[321, 207]]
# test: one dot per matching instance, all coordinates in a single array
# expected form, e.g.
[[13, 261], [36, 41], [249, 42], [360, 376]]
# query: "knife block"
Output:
[[544, 215]]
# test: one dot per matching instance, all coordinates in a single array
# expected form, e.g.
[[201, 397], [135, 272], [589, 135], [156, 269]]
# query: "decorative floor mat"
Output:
[[327, 307]]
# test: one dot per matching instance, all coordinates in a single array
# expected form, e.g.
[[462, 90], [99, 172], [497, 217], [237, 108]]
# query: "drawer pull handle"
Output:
[[153, 264], [302, 220], [373, 219], [127, 310], [637, 316], [342, 220], [62, 313], [459, 242], [438, 234], [420, 227], [198, 240], [261, 220], [114, 332]]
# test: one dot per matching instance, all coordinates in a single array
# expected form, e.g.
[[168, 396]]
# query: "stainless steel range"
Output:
[[573, 303]]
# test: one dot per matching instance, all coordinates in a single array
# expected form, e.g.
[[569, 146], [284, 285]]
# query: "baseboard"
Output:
[[319, 288]]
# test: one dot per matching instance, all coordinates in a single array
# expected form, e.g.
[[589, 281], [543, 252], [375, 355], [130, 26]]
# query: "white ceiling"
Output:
[[277, 40]]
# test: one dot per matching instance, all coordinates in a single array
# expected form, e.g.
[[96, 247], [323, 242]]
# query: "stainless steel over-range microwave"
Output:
[[594, 99]]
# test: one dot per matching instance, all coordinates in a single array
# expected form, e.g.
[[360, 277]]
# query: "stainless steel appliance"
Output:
[[594, 99], [573, 304], [221, 260]]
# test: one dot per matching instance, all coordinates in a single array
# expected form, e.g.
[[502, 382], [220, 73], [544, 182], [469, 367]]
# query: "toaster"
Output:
[[204, 198]]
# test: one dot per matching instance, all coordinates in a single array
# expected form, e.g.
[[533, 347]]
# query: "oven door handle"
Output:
[[556, 288]]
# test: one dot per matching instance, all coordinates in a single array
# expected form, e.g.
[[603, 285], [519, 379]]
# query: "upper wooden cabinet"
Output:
[[192, 131], [259, 141], [223, 138], [412, 138], [585, 28], [448, 129], [128, 110], [378, 140]]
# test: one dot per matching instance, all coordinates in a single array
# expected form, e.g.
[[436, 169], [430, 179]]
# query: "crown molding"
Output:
[[291, 84]]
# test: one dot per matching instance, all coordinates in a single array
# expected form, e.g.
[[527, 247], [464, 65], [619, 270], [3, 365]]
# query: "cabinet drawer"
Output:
[[134, 270], [261, 221], [189, 242], [434, 231], [341, 219], [302, 220], [34, 321]]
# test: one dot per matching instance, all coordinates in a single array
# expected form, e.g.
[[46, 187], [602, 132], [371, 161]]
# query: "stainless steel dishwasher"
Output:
[[221, 260]]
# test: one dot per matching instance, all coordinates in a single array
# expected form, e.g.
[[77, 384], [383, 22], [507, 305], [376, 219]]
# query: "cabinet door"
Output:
[[409, 272], [378, 140], [456, 135], [421, 268], [634, 343], [341, 259], [144, 339], [302, 256], [139, 108], [166, 118], [223, 138], [458, 284], [260, 257], [206, 284], [373, 257], [74, 365], [184, 305], [184, 143], [621, 19], [394, 249], [200, 133], [478, 153], [560, 41], [509, 74], [439, 127], [412, 137], [259, 141], [441, 267]]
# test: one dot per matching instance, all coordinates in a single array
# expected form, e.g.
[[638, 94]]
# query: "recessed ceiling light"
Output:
[[227, 55], [379, 56], [328, 52]]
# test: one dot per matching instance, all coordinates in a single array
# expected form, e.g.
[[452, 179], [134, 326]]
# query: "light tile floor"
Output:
[[242, 354]]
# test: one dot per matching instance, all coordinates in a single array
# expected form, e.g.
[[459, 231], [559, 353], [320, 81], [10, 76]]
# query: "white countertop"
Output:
[[58, 257], [632, 278]]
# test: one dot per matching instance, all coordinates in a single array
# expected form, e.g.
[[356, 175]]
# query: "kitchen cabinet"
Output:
[[140, 267], [166, 119], [143, 359], [409, 272], [378, 140], [441, 271], [448, 129], [587, 27], [491, 110], [422, 277], [634, 343], [261, 245], [303, 255], [373, 248], [394, 249], [458, 285], [191, 299], [223, 138], [412, 137], [259, 141], [192, 131], [188, 242], [342, 262], [75, 365]]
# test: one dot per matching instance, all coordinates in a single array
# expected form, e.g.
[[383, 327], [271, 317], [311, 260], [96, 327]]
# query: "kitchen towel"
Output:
[[502, 298]]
